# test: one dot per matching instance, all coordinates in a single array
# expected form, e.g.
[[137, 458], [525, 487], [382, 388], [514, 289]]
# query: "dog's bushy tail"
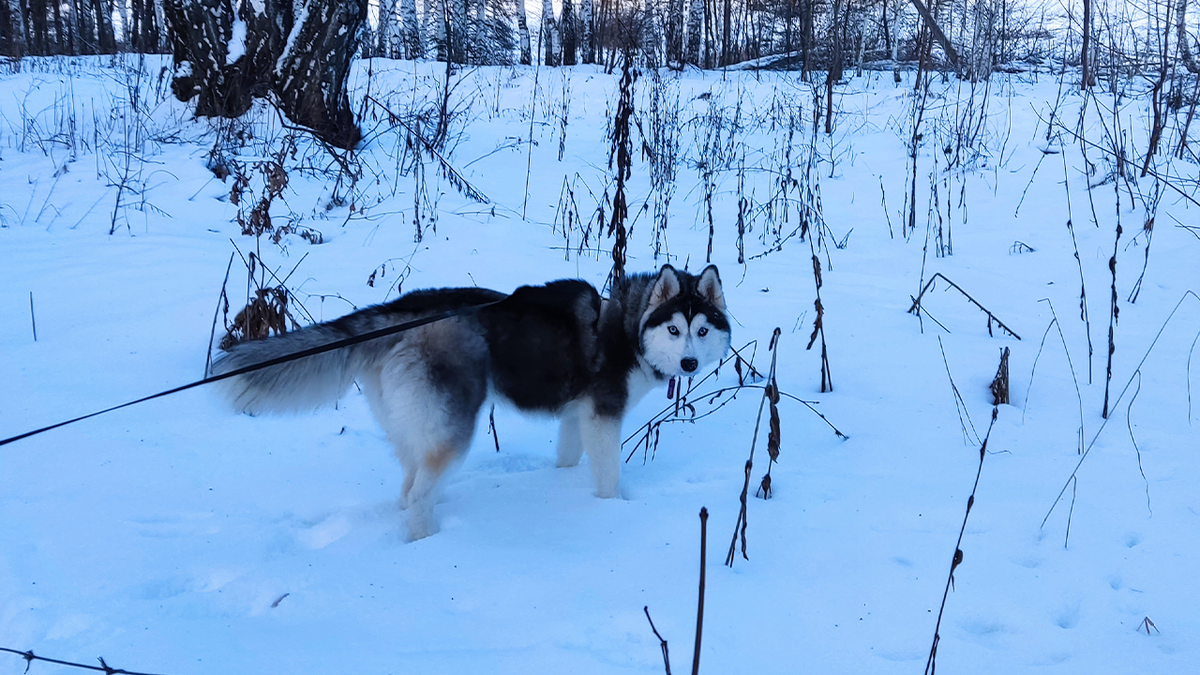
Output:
[[301, 385]]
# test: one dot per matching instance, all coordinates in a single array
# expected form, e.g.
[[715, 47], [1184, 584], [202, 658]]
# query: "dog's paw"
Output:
[[607, 491]]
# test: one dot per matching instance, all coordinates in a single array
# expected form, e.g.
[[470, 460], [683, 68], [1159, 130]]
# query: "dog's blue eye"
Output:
[[672, 330], [702, 332]]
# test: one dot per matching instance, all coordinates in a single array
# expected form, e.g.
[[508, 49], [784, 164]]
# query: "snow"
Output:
[[176, 537], [237, 41]]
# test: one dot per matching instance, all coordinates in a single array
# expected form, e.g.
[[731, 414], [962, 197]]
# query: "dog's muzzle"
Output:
[[689, 365]]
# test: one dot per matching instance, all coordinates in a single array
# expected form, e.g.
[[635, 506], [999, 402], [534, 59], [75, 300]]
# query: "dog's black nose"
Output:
[[689, 365]]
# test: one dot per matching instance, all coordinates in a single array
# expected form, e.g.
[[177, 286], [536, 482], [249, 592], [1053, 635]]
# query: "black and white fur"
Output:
[[556, 348]]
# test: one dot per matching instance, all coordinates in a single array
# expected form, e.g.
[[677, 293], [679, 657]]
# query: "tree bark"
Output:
[[675, 33], [1182, 39], [549, 35], [570, 34], [936, 31], [304, 61], [12, 39], [313, 68], [410, 30], [587, 30], [1085, 54], [695, 25], [523, 35]]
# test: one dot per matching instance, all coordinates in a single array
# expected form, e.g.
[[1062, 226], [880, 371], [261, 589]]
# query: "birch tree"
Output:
[[523, 34], [695, 24], [549, 34]]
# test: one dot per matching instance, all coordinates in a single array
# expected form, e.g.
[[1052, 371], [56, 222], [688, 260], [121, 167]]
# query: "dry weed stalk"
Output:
[[1114, 309], [1072, 479], [662, 642], [956, 560], [1054, 323], [621, 152], [268, 306], [770, 394], [999, 386], [819, 327]]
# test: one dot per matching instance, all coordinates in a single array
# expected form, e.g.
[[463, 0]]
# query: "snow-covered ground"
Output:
[[177, 537]]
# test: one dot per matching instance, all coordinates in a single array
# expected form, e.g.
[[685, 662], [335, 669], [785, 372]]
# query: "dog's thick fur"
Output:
[[556, 348]]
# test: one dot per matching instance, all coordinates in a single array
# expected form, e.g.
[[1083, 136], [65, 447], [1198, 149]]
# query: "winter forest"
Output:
[[955, 433]]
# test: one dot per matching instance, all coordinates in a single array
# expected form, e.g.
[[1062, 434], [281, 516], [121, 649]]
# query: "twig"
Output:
[[30, 657], [217, 312], [959, 403], [1189, 376], [1054, 323], [32, 318], [916, 306], [662, 643], [492, 427], [456, 179], [740, 528], [1133, 439]]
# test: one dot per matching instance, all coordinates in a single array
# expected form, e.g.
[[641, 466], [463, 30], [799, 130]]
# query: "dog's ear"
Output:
[[665, 287], [709, 287]]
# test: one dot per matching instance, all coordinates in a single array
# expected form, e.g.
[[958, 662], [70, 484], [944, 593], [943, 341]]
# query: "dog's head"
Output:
[[684, 326]]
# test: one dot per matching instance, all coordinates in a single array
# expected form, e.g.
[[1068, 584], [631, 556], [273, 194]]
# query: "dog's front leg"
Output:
[[602, 442]]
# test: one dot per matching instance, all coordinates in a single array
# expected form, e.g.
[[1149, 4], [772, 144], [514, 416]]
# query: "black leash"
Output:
[[373, 335]]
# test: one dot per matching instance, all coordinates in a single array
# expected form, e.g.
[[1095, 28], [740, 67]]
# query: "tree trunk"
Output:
[[1085, 54], [410, 30], [12, 40], [104, 27], [35, 27], [587, 31], [312, 71], [695, 25], [549, 35], [936, 31], [523, 35], [439, 28], [481, 44], [388, 41], [304, 63], [570, 33], [1182, 39], [727, 20], [200, 32], [122, 40], [675, 33]]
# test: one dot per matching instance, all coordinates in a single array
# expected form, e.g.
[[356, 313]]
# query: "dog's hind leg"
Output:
[[601, 435], [431, 388], [570, 437]]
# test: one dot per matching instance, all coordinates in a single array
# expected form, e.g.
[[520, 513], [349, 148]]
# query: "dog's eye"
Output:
[[672, 330], [702, 332]]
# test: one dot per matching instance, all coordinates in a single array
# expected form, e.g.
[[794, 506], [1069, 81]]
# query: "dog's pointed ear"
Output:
[[709, 287], [665, 287]]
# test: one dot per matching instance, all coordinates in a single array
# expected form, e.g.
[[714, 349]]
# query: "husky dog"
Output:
[[556, 348]]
